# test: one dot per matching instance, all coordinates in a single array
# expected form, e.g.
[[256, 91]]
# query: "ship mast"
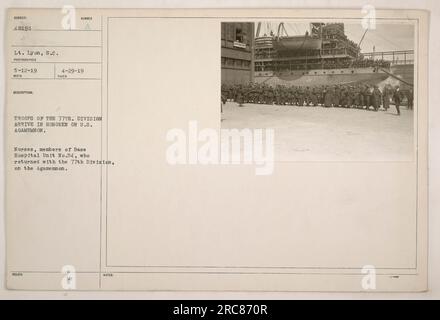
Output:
[[363, 36]]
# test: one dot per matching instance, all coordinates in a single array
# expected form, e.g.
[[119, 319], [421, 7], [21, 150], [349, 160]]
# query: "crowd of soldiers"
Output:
[[362, 96], [361, 63]]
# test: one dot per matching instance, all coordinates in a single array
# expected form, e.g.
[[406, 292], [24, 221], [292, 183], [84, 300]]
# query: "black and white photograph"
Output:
[[331, 91], [272, 152]]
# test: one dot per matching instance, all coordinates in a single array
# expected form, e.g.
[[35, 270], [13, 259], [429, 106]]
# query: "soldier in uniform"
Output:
[[295, 96], [239, 96], [336, 96], [283, 95], [261, 94], [367, 97], [251, 93], [307, 97], [223, 101], [344, 97], [314, 96], [376, 97], [290, 95], [360, 102], [351, 96], [321, 95], [300, 95], [278, 95], [267, 95], [248, 92], [328, 97], [386, 97], [397, 97], [410, 97], [357, 97]]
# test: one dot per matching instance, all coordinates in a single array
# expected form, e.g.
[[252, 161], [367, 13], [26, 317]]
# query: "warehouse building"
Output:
[[236, 52]]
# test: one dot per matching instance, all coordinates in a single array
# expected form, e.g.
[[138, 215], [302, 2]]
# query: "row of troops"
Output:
[[359, 96]]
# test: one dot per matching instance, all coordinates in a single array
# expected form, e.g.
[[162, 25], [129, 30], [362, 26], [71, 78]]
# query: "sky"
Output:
[[386, 37]]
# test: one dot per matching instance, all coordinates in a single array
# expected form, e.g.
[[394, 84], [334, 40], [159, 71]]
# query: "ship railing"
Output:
[[315, 66], [332, 52], [403, 62], [393, 57]]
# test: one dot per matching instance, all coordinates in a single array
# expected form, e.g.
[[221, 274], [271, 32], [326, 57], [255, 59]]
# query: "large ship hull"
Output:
[[328, 77]]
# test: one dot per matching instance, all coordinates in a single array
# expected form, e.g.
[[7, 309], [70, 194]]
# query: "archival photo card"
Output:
[[216, 150]]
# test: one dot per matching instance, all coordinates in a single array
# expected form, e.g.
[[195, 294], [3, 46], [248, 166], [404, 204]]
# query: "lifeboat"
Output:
[[297, 43]]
